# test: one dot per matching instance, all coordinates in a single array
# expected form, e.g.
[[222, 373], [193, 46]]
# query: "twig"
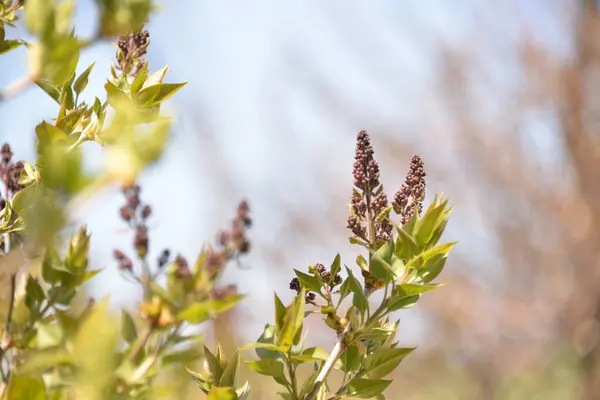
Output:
[[333, 357], [15, 88], [11, 306], [140, 344]]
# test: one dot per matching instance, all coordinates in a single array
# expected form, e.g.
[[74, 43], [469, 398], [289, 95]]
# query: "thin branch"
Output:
[[328, 367], [11, 306], [15, 88], [140, 344]]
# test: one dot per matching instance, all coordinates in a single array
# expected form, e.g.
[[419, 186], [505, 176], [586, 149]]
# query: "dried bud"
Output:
[[164, 258], [126, 213], [244, 247], [223, 238], [133, 201], [118, 255], [6, 153], [215, 261], [357, 228], [337, 279], [320, 268], [183, 270], [132, 48], [412, 191], [140, 241], [126, 264], [222, 292], [146, 211], [295, 285], [310, 297], [13, 176], [244, 214], [366, 169]]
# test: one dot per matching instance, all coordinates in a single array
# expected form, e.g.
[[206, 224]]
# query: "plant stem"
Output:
[[6, 235], [11, 305], [294, 384], [140, 343], [333, 357]]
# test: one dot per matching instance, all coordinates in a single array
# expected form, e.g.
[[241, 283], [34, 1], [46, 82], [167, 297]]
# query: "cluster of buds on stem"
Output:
[[369, 208], [328, 281], [131, 49], [135, 214], [411, 194], [10, 171], [231, 243], [369, 218]]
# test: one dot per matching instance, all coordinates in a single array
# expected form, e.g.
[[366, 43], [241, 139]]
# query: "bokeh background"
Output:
[[499, 98]]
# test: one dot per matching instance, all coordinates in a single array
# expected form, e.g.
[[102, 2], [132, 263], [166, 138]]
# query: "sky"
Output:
[[277, 92]]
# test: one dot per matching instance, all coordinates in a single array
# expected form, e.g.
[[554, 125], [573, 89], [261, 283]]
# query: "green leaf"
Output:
[[308, 384], [50, 267], [380, 263], [309, 282], [367, 388], [268, 367], [230, 372], [128, 329], [430, 226], [432, 268], [199, 312], [95, 349], [243, 392], [265, 346], [26, 388], [49, 88], [312, 354], [39, 15], [62, 295], [115, 96], [55, 60], [406, 248], [222, 393], [183, 356], [140, 79], [384, 360], [336, 266], [121, 17], [214, 366], [76, 257], [156, 94], [202, 382], [280, 310], [402, 302], [156, 77], [431, 255], [411, 289], [34, 294], [8, 45], [350, 359], [292, 324], [48, 335], [359, 300], [60, 168], [82, 81]]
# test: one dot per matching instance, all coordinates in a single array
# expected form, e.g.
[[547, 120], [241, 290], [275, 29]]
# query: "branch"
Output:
[[15, 88], [333, 357]]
